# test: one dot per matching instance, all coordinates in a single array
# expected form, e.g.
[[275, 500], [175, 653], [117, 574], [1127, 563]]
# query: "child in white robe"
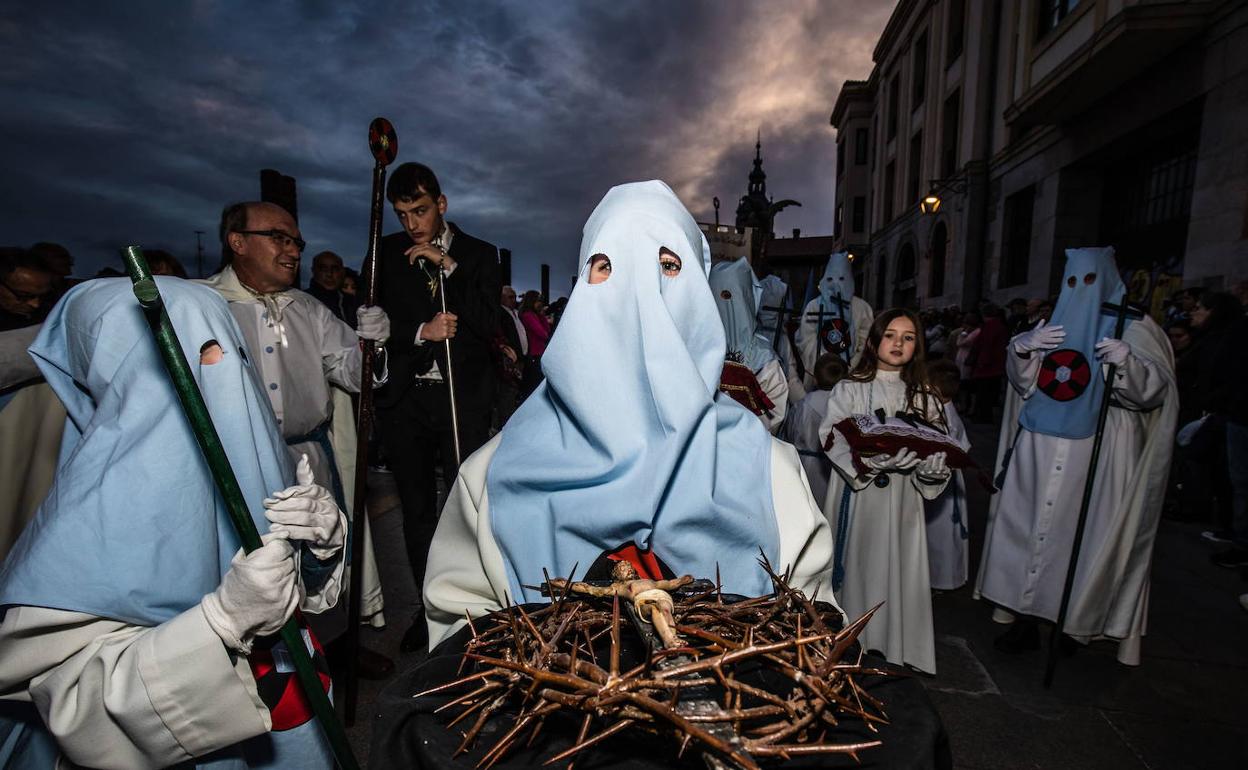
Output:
[[877, 516], [801, 427], [947, 523]]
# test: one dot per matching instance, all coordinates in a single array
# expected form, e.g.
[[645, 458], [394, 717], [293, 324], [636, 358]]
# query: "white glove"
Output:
[[1043, 337], [307, 511], [372, 323], [933, 469], [256, 596], [902, 461], [1110, 351]]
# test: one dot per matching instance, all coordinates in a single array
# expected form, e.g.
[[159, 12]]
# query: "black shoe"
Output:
[[1022, 637], [417, 637], [1231, 558], [373, 665]]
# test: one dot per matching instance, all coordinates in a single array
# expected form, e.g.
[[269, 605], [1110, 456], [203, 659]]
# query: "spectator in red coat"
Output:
[[988, 362]]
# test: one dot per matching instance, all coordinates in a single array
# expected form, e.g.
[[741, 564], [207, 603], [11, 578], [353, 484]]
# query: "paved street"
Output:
[[1186, 706]]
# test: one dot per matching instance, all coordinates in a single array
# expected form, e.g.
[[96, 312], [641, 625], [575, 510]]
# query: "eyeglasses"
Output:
[[280, 238]]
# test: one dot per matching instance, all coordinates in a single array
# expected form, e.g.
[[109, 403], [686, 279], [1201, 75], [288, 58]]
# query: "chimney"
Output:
[[797, 232]]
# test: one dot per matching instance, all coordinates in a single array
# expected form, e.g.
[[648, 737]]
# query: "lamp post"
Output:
[[932, 201]]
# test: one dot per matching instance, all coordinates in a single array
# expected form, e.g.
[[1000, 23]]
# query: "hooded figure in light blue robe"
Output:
[[629, 439], [737, 293], [774, 292], [1090, 279], [133, 528]]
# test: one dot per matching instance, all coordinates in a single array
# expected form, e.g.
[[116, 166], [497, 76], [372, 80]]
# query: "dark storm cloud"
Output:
[[137, 121]]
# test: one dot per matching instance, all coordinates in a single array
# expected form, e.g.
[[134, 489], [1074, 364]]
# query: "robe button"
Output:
[[272, 386], [269, 349], [1058, 467], [881, 481]]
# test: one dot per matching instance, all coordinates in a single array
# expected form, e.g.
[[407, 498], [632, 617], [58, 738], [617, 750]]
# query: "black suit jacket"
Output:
[[472, 292]]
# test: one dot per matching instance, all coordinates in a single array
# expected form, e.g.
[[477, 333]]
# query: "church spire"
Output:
[[758, 177]]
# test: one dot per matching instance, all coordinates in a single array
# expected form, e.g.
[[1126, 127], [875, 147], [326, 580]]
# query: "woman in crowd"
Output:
[[628, 449], [880, 538], [538, 328]]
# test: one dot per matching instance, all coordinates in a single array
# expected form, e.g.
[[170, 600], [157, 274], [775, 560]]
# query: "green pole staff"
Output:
[[196, 410]]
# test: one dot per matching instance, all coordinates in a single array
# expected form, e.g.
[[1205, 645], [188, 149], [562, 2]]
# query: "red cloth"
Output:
[[538, 329], [645, 562], [989, 349], [868, 437], [740, 383]]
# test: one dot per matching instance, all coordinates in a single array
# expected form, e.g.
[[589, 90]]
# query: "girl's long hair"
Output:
[[921, 397]]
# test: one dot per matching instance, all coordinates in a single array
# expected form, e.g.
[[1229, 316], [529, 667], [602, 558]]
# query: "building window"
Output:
[[1016, 237], [881, 281], [949, 135], [859, 222], [862, 146], [1049, 13], [918, 87], [840, 158], [957, 30], [894, 104], [904, 292], [940, 246], [914, 176], [890, 190], [875, 131], [836, 225]]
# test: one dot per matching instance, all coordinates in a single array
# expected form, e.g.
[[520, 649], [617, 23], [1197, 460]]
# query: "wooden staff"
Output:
[[384, 145], [1120, 325], [192, 400]]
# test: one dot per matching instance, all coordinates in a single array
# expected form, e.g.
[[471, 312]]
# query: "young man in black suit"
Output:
[[413, 409]]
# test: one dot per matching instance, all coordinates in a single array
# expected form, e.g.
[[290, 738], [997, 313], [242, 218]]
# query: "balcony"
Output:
[[1128, 42]]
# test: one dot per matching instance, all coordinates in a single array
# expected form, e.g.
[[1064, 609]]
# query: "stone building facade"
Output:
[[1042, 125]]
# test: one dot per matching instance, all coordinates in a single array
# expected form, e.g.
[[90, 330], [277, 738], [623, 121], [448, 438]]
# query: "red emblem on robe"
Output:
[[278, 684], [739, 382]]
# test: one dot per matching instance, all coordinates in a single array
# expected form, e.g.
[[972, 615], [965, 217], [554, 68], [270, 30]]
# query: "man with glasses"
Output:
[[25, 286], [300, 352]]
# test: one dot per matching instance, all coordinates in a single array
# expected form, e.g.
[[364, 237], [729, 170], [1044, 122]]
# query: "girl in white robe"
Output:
[[628, 441], [877, 516]]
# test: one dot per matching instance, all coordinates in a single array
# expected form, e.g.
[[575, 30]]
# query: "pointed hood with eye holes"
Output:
[[628, 438], [133, 527], [1068, 395], [837, 283], [737, 293]]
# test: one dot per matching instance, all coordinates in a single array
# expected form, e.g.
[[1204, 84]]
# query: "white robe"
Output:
[[1031, 522], [465, 572], [308, 380], [118, 695], [772, 380], [807, 335], [947, 522], [885, 548], [801, 429]]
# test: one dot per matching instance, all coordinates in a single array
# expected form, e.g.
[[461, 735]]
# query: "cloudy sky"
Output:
[[135, 122]]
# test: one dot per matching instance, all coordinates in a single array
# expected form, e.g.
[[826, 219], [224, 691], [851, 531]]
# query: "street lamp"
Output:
[[931, 202]]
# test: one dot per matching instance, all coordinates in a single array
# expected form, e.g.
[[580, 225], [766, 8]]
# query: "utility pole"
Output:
[[199, 253]]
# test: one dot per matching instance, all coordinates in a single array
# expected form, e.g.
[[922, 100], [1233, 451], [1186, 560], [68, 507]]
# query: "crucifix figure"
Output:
[[650, 597]]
